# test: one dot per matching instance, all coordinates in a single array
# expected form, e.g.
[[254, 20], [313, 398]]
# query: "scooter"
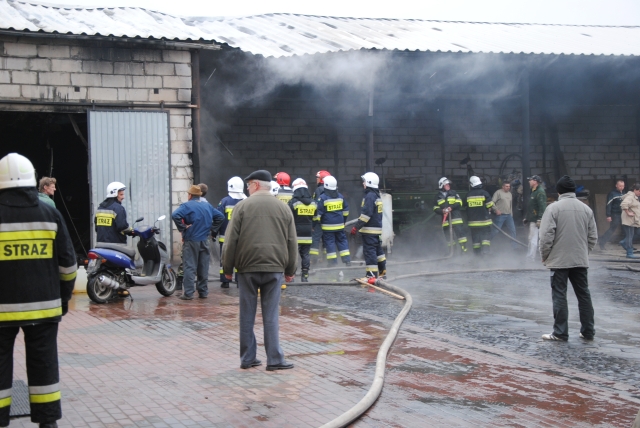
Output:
[[112, 267]]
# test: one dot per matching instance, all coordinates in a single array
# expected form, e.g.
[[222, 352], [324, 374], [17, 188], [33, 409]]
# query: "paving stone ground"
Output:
[[163, 362]]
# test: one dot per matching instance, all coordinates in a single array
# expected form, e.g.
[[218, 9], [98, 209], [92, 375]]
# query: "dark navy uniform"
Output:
[[369, 224], [332, 213], [38, 270], [478, 203], [111, 222], [225, 207], [317, 230], [304, 210], [452, 200]]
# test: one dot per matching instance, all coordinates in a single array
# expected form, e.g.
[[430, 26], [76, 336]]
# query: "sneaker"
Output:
[[185, 297], [585, 338], [632, 256], [552, 336]]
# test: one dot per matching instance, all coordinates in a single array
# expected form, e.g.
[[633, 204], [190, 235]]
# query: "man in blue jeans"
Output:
[[503, 201]]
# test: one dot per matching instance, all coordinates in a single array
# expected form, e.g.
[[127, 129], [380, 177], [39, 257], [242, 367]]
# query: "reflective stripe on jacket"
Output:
[[370, 220], [332, 211], [478, 203], [446, 200], [225, 207]]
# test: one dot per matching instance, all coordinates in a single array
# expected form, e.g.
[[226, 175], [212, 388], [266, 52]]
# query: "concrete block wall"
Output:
[[64, 70]]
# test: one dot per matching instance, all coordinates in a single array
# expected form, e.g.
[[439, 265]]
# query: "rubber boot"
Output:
[[305, 275]]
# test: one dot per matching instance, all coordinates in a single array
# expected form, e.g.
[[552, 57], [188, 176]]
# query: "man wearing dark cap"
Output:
[[261, 242], [567, 234], [535, 209]]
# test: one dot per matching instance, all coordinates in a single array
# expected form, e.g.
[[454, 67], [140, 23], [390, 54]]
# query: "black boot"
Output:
[[305, 275], [49, 425]]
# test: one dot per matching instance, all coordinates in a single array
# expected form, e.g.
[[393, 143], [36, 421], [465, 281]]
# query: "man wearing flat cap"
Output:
[[261, 242], [535, 209], [567, 234], [196, 221]]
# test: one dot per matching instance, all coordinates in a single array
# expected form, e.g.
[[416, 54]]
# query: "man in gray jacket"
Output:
[[261, 242], [567, 235]]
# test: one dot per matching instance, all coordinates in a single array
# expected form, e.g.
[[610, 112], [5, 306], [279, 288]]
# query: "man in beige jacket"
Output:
[[567, 234], [630, 218], [261, 242]]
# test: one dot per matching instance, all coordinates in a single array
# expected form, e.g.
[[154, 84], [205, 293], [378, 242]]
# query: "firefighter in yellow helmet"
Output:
[[38, 271]]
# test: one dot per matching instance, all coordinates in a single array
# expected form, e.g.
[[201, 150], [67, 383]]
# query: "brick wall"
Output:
[[62, 70]]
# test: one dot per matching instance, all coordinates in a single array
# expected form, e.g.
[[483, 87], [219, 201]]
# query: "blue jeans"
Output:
[[507, 220], [195, 258]]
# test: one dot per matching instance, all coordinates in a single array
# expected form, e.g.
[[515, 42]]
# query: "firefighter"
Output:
[[111, 217], [369, 225], [284, 181], [332, 214], [304, 209], [38, 270], [235, 187], [448, 204], [479, 204], [317, 229]]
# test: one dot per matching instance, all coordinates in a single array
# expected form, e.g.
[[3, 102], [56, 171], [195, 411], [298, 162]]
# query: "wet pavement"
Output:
[[469, 354]]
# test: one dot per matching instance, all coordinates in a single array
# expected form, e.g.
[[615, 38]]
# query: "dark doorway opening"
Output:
[[52, 144]]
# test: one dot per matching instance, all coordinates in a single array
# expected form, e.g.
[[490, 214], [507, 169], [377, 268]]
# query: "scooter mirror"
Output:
[[162, 217], [140, 219]]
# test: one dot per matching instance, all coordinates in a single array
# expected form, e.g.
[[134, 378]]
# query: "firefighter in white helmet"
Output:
[[369, 225], [38, 270], [275, 188], [448, 204], [111, 217], [303, 208], [332, 214], [235, 187], [479, 205]]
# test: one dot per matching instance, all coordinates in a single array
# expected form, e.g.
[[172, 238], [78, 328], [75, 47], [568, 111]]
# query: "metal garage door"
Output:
[[133, 148]]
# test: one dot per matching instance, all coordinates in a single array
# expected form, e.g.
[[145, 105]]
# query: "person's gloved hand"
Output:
[[65, 308], [538, 224], [214, 234], [354, 230], [525, 221]]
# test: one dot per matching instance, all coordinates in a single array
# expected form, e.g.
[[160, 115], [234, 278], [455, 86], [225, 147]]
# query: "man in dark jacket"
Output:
[[614, 212], [38, 270], [303, 208], [479, 204], [535, 209], [447, 204], [317, 229], [196, 221], [111, 217], [369, 225], [235, 187], [332, 214]]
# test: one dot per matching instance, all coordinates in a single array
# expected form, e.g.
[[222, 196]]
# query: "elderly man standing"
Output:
[[261, 242], [503, 201], [567, 235], [196, 220]]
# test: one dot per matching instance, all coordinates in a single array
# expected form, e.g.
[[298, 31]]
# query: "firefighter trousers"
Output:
[[305, 259], [333, 239], [481, 237], [41, 345], [374, 257], [316, 237], [459, 236]]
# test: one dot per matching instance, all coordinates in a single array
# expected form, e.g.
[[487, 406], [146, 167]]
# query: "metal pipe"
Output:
[[160, 105], [195, 114], [526, 139], [112, 39], [370, 140]]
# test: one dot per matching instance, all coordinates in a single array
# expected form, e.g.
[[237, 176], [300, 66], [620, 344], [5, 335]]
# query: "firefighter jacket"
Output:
[[452, 200], [304, 210], [478, 202], [332, 211], [37, 260], [202, 219], [370, 220], [226, 208], [111, 222], [537, 205], [285, 194], [319, 191]]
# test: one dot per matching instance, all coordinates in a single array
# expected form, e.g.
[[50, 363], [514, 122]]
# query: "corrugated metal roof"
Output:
[[280, 35]]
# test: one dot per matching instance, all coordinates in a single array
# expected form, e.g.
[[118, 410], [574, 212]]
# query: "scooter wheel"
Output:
[[97, 292], [167, 286]]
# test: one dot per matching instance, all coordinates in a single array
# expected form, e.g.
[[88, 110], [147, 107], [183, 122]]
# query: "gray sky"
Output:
[[588, 12]]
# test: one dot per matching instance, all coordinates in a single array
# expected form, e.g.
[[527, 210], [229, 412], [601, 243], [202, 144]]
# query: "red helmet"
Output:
[[282, 178], [320, 175]]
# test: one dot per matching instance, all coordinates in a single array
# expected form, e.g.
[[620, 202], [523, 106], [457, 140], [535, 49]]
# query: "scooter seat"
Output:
[[131, 252]]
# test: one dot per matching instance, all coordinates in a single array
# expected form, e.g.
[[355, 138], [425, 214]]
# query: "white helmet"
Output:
[[371, 179], [16, 171], [114, 188], [299, 183], [235, 184], [275, 187], [475, 181], [442, 182], [330, 182]]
